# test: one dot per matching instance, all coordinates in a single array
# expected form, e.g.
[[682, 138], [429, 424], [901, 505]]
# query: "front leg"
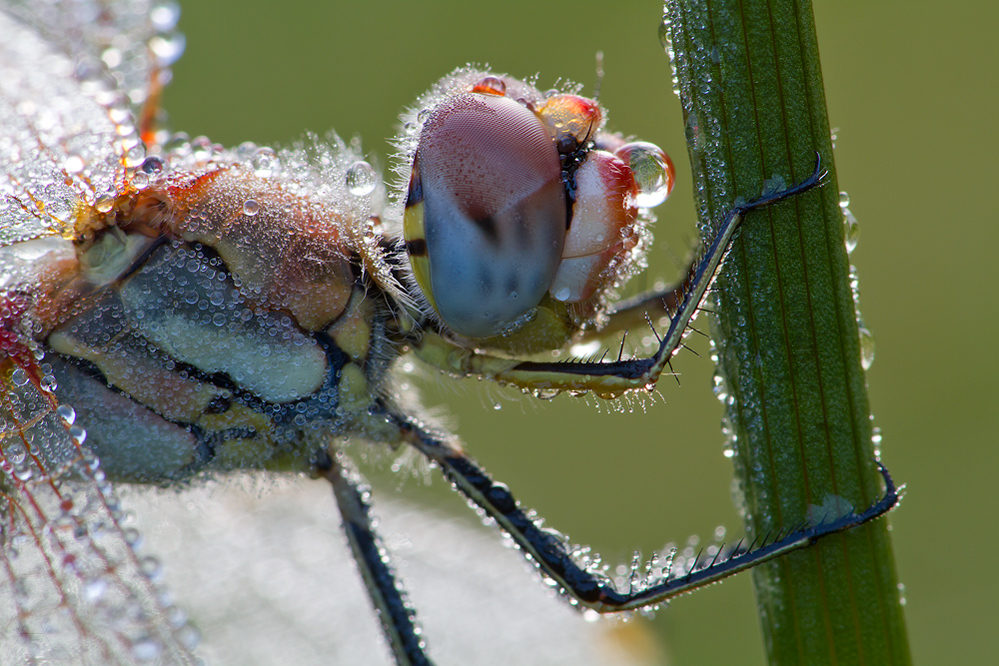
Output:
[[613, 378]]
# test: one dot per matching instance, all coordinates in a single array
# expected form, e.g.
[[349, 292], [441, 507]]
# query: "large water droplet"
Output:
[[251, 207], [361, 179], [652, 169], [265, 162], [491, 84]]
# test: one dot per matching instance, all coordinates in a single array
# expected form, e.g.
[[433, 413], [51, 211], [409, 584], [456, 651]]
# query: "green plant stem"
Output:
[[786, 328]]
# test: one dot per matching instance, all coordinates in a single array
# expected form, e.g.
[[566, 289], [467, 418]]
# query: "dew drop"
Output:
[[16, 453], [150, 567], [164, 16], [19, 377], [491, 84], [188, 636], [74, 164], [78, 434], [866, 348], [652, 169], [152, 165], [361, 179], [67, 414], [851, 230], [146, 649], [104, 204], [664, 39], [167, 48], [251, 207], [265, 162], [95, 589]]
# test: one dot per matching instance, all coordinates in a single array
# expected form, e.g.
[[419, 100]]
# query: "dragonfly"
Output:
[[172, 309]]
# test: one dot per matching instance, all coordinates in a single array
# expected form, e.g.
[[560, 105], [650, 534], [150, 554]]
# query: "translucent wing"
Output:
[[73, 588], [73, 76]]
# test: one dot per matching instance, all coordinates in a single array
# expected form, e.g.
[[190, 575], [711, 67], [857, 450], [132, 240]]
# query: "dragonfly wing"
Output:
[[73, 587]]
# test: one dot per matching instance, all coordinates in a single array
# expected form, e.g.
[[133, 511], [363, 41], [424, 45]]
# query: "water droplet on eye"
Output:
[[361, 179], [866, 348], [652, 169], [251, 207], [490, 84], [139, 180], [562, 294]]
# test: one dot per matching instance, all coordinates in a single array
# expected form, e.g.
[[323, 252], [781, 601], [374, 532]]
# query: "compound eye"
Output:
[[486, 213]]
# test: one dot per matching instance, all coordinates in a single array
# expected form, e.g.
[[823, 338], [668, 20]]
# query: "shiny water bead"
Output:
[[361, 178], [490, 85], [265, 162], [652, 169], [485, 213]]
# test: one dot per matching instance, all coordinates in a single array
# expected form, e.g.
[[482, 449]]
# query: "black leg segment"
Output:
[[569, 566], [397, 617]]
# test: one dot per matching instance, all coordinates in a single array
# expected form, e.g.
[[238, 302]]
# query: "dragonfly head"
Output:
[[518, 201]]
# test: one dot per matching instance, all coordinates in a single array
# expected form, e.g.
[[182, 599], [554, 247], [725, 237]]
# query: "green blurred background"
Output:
[[911, 89]]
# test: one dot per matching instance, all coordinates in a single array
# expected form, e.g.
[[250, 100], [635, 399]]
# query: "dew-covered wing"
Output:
[[74, 75], [74, 588]]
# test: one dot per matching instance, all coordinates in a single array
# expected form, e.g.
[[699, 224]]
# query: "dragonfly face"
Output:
[[205, 310]]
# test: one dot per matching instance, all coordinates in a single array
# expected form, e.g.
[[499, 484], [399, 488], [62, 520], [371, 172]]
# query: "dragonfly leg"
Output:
[[397, 616], [566, 564], [612, 378]]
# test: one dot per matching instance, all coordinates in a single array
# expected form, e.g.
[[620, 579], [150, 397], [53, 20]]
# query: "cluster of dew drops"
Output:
[[87, 515], [851, 231]]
